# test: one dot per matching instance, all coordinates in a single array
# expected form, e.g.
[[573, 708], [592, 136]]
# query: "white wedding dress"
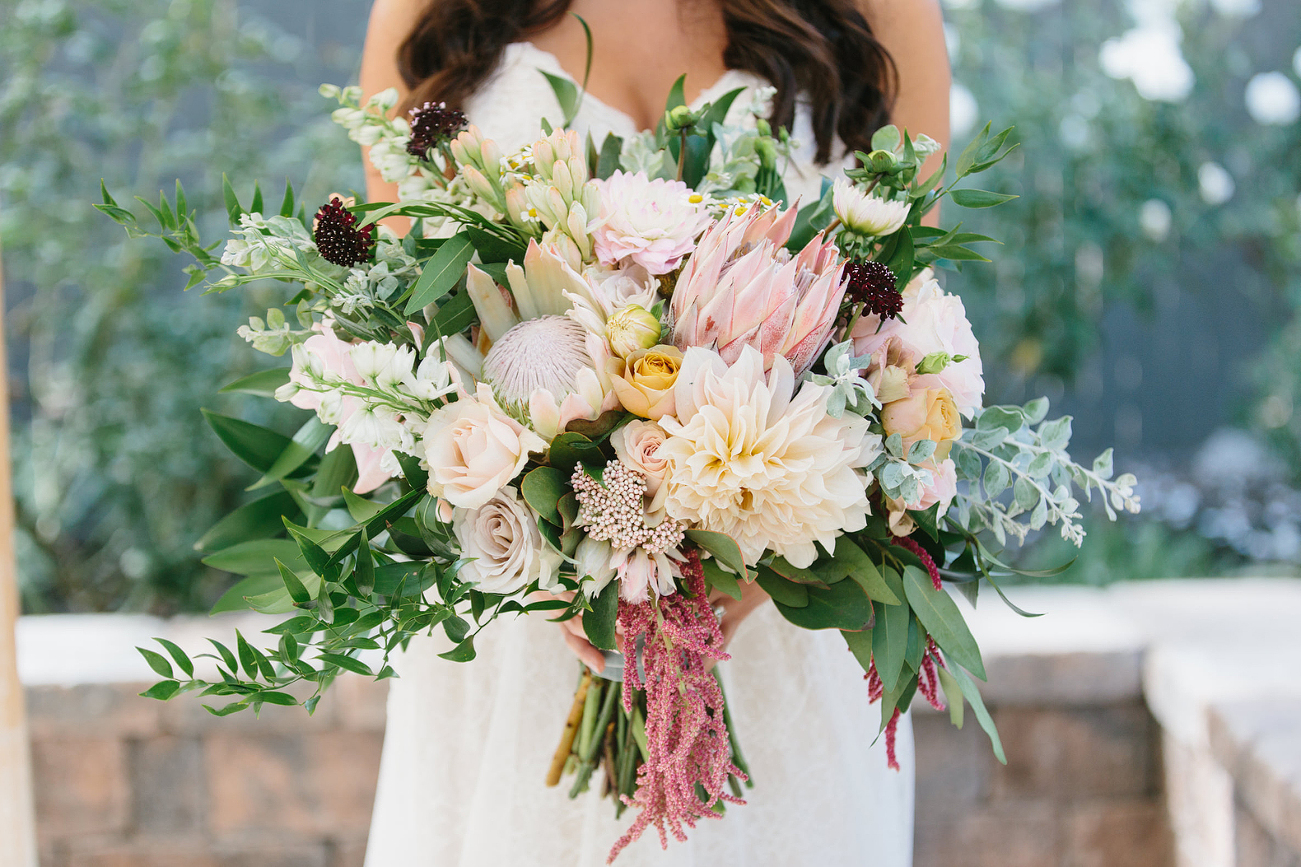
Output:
[[469, 745]]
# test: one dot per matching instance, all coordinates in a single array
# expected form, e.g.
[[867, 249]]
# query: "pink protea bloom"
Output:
[[743, 288], [653, 223]]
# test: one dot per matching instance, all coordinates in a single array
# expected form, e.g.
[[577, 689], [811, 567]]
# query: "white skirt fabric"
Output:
[[468, 747]]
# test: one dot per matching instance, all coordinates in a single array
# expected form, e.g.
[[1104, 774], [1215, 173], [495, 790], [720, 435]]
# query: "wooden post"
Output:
[[17, 818]]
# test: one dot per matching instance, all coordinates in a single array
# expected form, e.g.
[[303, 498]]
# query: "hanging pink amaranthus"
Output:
[[928, 681], [687, 740]]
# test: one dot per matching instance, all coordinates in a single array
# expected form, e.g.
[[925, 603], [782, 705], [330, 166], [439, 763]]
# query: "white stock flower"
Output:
[[864, 213], [761, 462], [500, 539]]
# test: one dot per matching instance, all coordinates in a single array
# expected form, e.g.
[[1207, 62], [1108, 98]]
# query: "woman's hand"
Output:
[[731, 613]]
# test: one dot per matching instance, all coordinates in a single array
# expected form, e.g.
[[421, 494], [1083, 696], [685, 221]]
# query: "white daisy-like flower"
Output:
[[762, 462], [864, 213]]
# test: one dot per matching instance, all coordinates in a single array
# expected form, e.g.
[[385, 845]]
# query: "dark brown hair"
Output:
[[819, 50]]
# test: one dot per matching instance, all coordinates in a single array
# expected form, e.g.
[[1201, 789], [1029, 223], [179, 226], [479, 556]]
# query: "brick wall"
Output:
[[123, 781], [126, 782]]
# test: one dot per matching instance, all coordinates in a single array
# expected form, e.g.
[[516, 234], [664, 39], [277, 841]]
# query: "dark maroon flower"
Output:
[[433, 124], [337, 237], [873, 285]]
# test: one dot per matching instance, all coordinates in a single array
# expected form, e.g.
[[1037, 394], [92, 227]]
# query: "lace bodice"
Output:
[[508, 107]]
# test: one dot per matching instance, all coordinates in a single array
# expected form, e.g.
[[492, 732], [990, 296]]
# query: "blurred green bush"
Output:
[[115, 473]]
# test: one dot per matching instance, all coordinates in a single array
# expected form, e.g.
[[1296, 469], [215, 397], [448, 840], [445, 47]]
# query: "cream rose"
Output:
[[646, 387], [474, 449], [503, 546], [926, 414], [637, 444]]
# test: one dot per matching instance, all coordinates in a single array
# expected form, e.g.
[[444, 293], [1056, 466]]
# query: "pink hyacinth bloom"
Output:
[[743, 288]]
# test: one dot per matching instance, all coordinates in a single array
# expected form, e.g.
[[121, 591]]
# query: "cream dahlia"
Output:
[[762, 462]]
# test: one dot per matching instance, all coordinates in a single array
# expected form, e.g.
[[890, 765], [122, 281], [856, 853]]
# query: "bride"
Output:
[[468, 746]]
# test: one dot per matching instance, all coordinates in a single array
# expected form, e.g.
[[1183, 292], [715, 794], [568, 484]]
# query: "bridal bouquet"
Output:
[[609, 380]]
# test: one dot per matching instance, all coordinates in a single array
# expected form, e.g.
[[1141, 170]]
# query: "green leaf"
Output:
[[901, 261], [256, 557], [379, 523], [608, 161], [263, 383], [723, 547], [940, 615], [842, 606], [890, 642], [256, 520], [928, 520], [717, 578], [297, 591], [337, 470], [233, 707], [246, 656], [860, 644], [463, 652], [313, 554], [789, 594], [163, 690], [952, 694], [253, 444], [494, 248], [542, 489], [979, 198], [286, 204], [347, 663], [454, 316], [363, 572], [972, 694], [182, 660], [157, 662], [599, 623], [442, 272], [281, 698], [968, 156], [233, 208], [567, 95]]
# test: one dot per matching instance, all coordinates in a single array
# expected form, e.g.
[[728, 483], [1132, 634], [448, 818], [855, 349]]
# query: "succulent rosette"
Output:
[[618, 381]]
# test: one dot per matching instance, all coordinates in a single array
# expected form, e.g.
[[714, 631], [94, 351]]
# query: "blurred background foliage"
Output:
[[1149, 285]]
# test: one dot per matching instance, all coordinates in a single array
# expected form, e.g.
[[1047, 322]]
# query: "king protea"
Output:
[[742, 288]]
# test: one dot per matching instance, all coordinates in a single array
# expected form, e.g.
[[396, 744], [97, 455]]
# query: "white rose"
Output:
[[636, 444], [504, 548], [474, 449]]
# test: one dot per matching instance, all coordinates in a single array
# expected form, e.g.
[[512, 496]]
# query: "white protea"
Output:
[[750, 456], [865, 214]]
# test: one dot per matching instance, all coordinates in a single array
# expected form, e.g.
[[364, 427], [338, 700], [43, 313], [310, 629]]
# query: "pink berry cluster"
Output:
[[688, 744], [612, 511]]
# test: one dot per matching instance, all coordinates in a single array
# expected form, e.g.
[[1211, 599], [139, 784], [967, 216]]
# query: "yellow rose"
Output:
[[926, 414], [646, 387]]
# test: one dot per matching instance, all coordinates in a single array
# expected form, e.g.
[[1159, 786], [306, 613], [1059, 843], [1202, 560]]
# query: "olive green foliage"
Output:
[[116, 474]]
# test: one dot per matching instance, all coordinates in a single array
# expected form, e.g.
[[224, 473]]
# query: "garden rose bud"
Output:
[[646, 387], [632, 328], [935, 363], [679, 118], [767, 152], [926, 414], [882, 161]]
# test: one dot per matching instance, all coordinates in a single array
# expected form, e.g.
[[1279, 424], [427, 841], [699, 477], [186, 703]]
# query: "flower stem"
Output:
[[566, 745]]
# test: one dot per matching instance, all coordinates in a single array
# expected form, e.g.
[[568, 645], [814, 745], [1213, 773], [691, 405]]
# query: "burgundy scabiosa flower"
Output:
[[873, 285], [433, 124], [337, 237]]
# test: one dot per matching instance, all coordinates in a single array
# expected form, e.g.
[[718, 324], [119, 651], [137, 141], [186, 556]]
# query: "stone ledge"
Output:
[[1259, 742]]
